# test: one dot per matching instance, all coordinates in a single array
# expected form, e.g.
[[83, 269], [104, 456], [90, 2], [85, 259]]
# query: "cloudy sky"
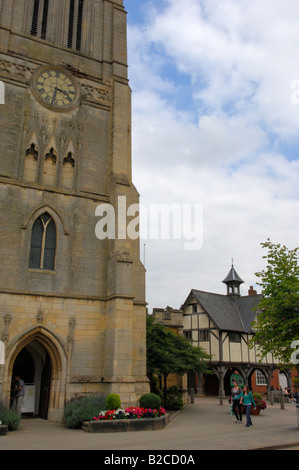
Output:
[[215, 115]]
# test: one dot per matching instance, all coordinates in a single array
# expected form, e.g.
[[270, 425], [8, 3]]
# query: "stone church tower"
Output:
[[72, 305]]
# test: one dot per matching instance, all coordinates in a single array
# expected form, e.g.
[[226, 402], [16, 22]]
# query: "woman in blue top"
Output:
[[247, 400]]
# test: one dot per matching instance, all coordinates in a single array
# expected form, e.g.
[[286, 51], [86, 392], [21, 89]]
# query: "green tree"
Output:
[[168, 352], [277, 323]]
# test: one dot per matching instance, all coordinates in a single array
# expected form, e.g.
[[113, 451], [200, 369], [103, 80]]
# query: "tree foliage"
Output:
[[168, 352], [277, 323]]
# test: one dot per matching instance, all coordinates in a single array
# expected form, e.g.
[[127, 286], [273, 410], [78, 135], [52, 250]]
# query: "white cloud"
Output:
[[244, 53], [225, 148]]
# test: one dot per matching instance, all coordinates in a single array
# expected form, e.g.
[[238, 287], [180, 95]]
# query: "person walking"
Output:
[[247, 399], [237, 407]]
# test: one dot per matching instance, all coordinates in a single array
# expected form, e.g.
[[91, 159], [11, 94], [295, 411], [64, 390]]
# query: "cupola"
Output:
[[233, 282]]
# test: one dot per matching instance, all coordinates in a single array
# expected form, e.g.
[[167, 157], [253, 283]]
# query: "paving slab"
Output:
[[204, 425]]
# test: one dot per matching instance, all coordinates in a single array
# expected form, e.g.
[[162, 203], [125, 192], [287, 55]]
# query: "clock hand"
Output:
[[62, 91], [54, 95], [56, 88]]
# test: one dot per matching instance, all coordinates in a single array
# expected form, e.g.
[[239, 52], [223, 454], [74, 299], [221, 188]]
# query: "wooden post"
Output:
[[282, 401], [271, 397]]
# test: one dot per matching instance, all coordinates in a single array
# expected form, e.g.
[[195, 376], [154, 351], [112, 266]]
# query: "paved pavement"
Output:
[[204, 425]]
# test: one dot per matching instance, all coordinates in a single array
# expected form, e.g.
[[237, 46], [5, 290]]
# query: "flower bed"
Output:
[[129, 419], [130, 413]]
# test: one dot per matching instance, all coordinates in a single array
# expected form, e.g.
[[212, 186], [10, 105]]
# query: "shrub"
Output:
[[150, 400], [10, 418], [154, 384], [113, 402], [79, 410], [174, 399]]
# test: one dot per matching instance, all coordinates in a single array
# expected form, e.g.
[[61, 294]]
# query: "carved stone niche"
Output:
[[68, 172], [50, 168], [31, 164]]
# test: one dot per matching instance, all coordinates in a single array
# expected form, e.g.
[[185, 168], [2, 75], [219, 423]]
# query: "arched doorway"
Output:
[[41, 356], [33, 365], [211, 384], [283, 380]]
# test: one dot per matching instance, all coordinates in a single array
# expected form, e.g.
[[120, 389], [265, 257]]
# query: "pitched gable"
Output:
[[227, 313]]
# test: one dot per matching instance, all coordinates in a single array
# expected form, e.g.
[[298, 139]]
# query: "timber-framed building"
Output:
[[222, 325]]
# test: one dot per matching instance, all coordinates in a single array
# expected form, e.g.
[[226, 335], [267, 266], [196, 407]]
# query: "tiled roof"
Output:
[[228, 313], [233, 277]]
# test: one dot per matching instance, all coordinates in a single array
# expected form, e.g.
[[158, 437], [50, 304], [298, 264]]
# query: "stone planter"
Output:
[[126, 425]]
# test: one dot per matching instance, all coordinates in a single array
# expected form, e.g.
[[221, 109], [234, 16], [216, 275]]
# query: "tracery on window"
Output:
[[43, 243]]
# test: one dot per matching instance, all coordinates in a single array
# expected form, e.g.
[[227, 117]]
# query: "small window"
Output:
[[71, 24], [74, 38], [188, 334], [79, 25], [45, 20], [204, 335], [39, 22], [43, 243], [260, 378], [235, 337], [34, 18]]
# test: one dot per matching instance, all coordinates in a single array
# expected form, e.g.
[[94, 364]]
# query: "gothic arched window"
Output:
[[43, 243]]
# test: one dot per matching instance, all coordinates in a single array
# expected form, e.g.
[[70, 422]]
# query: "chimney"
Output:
[[252, 291]]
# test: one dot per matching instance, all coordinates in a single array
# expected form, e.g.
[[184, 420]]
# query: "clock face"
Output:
[[55, 88]]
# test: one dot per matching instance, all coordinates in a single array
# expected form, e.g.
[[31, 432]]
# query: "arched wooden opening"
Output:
[[40, 356]]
